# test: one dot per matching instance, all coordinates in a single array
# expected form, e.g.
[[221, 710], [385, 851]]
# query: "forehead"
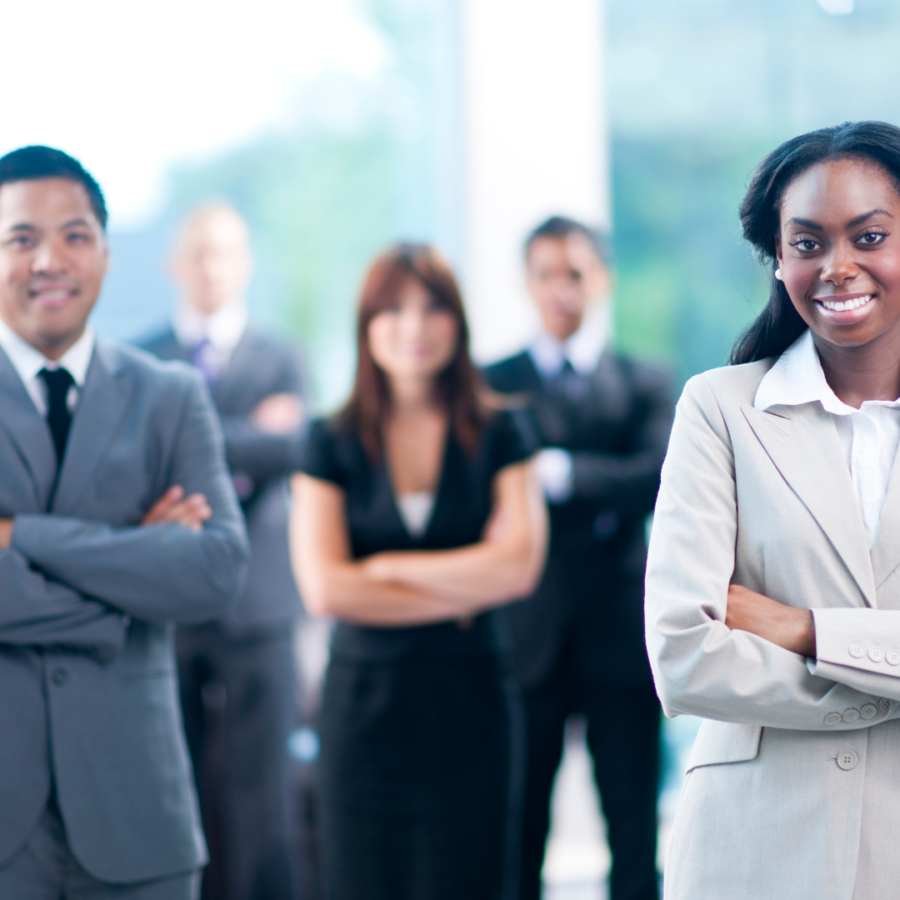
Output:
[[215, 229], [44, 202], [572, 251], [842, 188]]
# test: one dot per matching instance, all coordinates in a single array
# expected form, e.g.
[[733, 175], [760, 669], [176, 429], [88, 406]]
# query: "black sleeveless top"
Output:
[[462, 505]]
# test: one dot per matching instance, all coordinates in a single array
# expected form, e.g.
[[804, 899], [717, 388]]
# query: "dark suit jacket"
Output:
[[260, 464], [590, 598], [88, 697]]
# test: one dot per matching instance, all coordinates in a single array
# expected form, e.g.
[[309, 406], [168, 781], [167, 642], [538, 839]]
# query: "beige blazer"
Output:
[[793, 786]]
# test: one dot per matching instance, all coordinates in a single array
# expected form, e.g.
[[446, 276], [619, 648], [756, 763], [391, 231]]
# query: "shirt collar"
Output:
[[797, 378], [583, 349], [223, 329], [28, 360]]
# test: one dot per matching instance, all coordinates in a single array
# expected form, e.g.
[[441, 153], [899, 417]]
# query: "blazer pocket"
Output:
[[724, 742]]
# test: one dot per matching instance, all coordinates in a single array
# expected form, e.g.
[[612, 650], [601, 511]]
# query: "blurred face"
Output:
[[839, 252], [53, 257], [564, 276], [212, 264], [414, 338]]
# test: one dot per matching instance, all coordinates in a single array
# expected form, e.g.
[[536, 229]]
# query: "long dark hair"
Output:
[[779, 324], [459, 385]]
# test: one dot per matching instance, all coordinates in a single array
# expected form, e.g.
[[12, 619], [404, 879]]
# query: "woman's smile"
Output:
[[845, 309]]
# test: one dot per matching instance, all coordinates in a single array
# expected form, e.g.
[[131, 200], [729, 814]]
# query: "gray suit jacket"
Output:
[[261, 463], [793, 785], [88, 699]]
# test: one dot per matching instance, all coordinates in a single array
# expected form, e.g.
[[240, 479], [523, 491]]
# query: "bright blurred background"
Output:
[[337, 127]]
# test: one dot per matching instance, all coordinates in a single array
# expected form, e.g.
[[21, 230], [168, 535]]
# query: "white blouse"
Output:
[[869, 435], [415, 509]]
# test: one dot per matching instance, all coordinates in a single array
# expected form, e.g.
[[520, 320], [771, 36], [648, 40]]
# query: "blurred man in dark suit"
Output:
[[238, 675], [603, 420]]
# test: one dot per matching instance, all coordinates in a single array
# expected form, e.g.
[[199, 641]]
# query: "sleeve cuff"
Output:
[[554, 468]]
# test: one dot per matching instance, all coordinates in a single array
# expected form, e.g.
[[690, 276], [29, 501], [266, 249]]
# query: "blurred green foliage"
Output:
[[687, 282]]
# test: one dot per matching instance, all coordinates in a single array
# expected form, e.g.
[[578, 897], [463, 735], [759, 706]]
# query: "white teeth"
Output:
[[841, 305]]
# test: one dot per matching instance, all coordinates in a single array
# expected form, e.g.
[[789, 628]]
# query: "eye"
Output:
[[77, 238], [20, 241], [871, 238], [804, 245]]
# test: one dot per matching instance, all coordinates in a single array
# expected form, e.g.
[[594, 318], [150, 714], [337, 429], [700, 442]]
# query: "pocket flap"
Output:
[[724, 742]]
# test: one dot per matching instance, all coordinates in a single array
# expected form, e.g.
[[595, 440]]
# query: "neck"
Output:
[[857, 374], [411, 396]]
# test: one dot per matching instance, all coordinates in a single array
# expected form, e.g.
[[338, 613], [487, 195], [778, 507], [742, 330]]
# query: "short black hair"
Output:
[[561, 227], [32, 163]]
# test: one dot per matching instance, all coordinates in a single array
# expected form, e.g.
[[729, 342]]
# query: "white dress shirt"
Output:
[[869, 435], [28, 361], [223, 329], [583, 350]]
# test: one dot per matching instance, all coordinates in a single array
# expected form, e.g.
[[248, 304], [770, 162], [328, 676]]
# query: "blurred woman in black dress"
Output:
[[416, 513]]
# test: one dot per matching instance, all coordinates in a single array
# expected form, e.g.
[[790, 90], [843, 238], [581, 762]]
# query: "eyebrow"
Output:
[[856, 220], [860, 219]]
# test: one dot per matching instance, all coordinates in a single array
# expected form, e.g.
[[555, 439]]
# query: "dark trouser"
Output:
[[623, 734], [238, 699]]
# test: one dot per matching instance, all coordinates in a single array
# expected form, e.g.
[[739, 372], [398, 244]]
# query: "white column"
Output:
[[535, 136]]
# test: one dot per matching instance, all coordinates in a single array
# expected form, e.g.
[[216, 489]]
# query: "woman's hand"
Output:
[[793, 629]]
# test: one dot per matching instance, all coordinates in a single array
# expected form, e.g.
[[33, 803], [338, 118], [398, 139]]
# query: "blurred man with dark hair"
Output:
[[238, 675], [603, 420], [117, 517]]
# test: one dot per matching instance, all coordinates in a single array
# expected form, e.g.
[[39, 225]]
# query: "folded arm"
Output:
[[701, 666], [268, 442], [37, 612], [158, 572], [503, 566], [331, 582]]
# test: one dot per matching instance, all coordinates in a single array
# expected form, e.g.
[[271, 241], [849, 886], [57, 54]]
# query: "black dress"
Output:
[[417, 765]]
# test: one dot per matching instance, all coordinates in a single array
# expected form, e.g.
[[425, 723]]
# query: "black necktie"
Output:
[[59, 418]]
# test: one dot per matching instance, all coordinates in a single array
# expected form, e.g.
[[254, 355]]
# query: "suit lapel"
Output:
[[103, 404], [886, 550], [803, 443], [233, 377], [28, 431]]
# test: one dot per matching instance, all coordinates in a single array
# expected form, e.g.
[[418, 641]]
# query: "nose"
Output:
[[48, 259], [839, 267]]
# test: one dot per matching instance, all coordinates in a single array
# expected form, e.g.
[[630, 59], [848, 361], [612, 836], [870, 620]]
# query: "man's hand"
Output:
[[793, 629], [278, 414], [6, 530], [173, 506]]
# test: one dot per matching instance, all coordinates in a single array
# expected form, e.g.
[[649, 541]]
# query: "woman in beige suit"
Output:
[[773, 581]]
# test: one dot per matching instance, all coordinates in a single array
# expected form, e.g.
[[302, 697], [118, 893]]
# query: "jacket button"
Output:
[[884, 704], [869, 711], [847, 760], [856, 650], [893, 657], [850, 715], [833, 719], [59, 677], [876, 654]]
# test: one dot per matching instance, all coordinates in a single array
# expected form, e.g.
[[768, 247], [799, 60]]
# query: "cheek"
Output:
[[444, 334], [381, 336]]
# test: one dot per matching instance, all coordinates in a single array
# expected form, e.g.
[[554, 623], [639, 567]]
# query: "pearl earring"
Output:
[[778, 274]]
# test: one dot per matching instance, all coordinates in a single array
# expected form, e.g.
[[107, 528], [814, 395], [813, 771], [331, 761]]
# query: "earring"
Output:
[[778, 274]]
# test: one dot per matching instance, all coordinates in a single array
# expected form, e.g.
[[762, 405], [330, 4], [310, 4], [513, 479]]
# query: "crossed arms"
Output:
[[418, 587], [74, 582]]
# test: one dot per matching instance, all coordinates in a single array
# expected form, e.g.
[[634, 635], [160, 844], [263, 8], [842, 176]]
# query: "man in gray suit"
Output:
[[117, 517], [237, 675]]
